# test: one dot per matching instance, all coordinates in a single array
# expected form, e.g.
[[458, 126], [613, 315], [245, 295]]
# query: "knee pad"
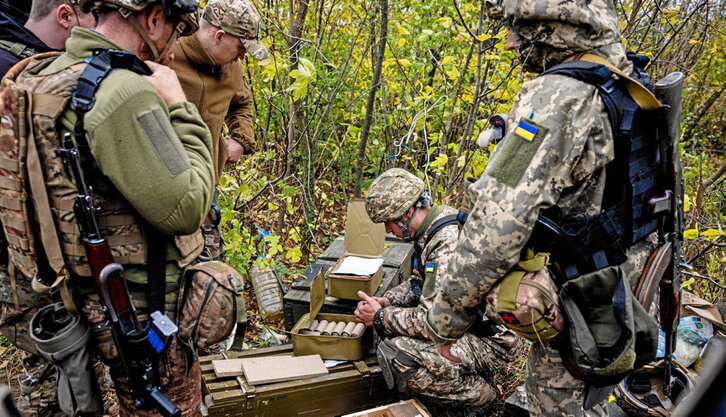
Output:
[[387, 353]]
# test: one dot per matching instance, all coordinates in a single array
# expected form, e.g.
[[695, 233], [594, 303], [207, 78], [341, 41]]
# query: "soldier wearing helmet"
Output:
[[401, 201], [554, 160], [148, 158]]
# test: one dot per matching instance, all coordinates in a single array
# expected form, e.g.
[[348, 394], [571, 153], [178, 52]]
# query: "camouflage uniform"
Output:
[[456, 384], [562, 166], [466, 383]]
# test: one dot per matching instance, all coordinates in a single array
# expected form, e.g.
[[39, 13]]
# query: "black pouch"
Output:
[[62, 339]]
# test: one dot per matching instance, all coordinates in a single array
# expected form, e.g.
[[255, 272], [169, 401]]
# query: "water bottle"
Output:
[[267, 292]]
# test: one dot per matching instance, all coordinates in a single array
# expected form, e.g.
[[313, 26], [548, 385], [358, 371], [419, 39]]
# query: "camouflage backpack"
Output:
[[526, 301], [37, 195]]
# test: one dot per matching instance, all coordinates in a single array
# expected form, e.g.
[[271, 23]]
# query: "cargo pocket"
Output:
[[211, 302]]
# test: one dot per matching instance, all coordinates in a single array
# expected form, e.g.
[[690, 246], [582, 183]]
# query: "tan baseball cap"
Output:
[[238, 18]]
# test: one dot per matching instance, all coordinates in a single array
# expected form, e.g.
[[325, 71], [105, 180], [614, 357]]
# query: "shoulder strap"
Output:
[[641, 95], [18, 49], [458, 219]]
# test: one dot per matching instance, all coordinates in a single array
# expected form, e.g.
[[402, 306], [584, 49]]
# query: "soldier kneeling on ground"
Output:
[[407, 357]]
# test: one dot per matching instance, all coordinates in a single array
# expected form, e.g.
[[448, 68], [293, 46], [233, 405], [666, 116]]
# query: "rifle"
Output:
[[669, 91], [138, 347]]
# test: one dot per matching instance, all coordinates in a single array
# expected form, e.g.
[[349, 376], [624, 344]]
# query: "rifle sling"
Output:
[[156, 268]]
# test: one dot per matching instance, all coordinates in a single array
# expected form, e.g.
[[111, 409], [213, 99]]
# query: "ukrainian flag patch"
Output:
[[430, 267], [525, 130]]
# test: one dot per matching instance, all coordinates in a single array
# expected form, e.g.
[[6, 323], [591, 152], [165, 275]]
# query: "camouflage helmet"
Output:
[[238, 18], [392, 194], [184, 10]]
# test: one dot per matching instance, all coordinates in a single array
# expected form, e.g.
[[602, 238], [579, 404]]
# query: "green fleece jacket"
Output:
[[158, 157]]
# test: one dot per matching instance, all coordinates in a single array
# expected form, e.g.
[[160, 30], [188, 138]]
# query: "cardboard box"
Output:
[[328, 347], [408, 408], [364, 239]]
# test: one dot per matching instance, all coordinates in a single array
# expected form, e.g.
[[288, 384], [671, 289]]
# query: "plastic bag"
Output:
[[693, 332]]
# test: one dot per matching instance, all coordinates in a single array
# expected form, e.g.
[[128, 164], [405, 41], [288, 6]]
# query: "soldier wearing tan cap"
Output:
[[209, 67]]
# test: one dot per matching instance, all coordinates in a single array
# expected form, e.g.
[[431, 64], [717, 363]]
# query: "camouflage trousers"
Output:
[[551, 390], [466, 383], [180, 377]]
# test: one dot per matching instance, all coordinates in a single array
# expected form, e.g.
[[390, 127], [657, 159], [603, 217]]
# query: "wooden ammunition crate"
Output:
[[349, 387], [396, 267]]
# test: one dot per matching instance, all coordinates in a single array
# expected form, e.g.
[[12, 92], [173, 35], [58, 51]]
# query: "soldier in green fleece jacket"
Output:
[[150, 167]]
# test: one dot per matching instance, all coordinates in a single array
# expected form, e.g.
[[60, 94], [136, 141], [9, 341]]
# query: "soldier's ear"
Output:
[[63, 16], [218, 36]]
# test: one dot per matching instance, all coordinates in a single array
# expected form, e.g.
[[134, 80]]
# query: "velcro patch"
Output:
[[517, 151], [168, 148]]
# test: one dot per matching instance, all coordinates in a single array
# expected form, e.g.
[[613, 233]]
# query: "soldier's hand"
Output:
[[445, 351], [366, 309], [166, 83], [234, 151], [383, 301]]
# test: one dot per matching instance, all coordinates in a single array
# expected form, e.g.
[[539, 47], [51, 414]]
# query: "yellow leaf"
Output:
[[690, 233], [687, 283], [686, 203], [402, 42], [482, 37], [294, 255], [404, 62], [692, 41], [712, 233], [447, 60]]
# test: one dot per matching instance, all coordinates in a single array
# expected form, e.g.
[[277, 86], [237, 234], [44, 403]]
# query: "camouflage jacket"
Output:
[[561, 164], [407, 313]]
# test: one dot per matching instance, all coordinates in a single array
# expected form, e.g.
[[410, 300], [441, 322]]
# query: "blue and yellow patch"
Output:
[[430, 267], [525, 130], [516, 152]]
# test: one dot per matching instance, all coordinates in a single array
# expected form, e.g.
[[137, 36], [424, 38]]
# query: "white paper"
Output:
[[354, 265]]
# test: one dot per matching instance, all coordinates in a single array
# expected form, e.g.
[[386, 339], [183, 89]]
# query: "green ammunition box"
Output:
[[328, 347], [349, 387], [396, 268]]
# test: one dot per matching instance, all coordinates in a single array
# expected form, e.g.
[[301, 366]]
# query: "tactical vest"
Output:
[[20, 50], [26, 148], [580, 245]]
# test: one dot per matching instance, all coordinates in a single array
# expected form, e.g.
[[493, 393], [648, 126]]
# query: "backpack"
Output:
[[37, 195]]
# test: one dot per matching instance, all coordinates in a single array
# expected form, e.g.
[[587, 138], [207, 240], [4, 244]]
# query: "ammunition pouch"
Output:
[[387, 353], [610, 333], [62, 339], [211, 302]]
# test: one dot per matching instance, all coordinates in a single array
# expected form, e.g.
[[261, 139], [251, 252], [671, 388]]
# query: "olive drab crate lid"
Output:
[[317, 294], [362, 237]]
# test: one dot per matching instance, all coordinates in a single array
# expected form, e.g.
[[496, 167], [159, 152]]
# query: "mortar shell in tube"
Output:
[[321, 326], [348, 328], [358, 330], [329, 328], [338, 329]]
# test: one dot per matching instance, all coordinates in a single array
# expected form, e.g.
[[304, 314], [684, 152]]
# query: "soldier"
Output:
[[209, 66], [399, 200], [48, 26], [552, 161], [47, 29], [148, 158]]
